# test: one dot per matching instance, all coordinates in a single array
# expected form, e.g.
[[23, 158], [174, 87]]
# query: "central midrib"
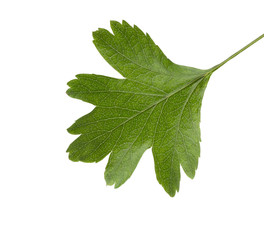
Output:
[[199, 79]]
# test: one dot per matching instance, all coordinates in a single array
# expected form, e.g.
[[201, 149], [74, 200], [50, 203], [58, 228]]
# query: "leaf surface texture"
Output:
[[155, 105]]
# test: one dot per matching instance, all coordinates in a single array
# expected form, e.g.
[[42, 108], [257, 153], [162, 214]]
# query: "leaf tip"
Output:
[[94, 33], [70, 83], [108, 181], [126, 24], [172, 190], [113, 24], [68, 92], [69, 130], [172, 194], [71, 156]]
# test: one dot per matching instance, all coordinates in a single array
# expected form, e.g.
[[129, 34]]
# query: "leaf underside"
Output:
[[155, 105]]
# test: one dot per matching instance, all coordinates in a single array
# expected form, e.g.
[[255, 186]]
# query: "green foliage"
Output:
[[157, 104]]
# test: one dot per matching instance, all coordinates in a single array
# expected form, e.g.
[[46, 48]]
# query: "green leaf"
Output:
[[157, 104]]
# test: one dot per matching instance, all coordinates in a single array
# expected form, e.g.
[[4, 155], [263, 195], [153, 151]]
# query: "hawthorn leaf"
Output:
[[156, 105]]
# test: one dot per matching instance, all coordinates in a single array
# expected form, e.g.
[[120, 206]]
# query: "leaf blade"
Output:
[[148, 108]]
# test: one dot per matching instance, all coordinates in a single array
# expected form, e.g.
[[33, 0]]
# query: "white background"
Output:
[[46, 196]]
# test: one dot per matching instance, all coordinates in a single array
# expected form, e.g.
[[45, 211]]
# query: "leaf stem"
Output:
[[235, 54]]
